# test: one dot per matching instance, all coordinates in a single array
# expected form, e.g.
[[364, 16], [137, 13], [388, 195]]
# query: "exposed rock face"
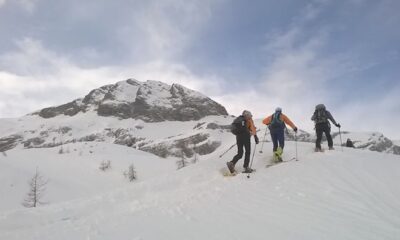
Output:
[[150, 101], [9, 142], [196, 144]]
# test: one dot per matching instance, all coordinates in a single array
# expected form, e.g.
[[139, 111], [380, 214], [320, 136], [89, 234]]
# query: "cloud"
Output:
[[295, 77], [300, 74], [167, 33], [152, 35], [304, 62], [163, 30], [27, 5], [41, 78]]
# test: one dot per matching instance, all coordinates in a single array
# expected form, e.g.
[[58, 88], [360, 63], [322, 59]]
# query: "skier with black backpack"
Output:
[[322, 125], [276, 124], [243, 127]]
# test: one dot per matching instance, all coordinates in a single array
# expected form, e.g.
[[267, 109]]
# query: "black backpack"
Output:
[[276, 121], [320, 116], [238, 126]]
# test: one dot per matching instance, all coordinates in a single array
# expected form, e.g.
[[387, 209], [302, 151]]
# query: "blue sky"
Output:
[[254, 55]]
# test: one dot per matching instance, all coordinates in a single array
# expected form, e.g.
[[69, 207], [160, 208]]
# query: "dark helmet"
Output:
[[247, 113], [320, 106]]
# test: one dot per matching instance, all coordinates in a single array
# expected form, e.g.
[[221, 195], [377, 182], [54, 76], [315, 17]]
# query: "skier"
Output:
[[243, 127], [349, 143], [276, 124], [322, 125]]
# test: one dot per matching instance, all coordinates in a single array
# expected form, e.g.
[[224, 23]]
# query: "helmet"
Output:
[[320, 106], [278, 109], [247, 113]]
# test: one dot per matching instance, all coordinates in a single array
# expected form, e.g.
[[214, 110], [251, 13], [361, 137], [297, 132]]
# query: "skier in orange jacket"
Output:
[[276, 124]]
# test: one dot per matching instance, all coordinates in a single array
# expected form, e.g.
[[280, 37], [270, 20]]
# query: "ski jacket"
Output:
[[283, 118]]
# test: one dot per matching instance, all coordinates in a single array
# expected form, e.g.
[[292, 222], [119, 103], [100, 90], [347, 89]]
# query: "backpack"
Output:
[[276, 121], [238, 126], [320, 116]]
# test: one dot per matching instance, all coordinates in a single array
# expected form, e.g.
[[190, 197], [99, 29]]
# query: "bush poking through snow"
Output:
[[181, 163], [105, 165], [61, 151], [195, 155], [37, 187], [131, 173]]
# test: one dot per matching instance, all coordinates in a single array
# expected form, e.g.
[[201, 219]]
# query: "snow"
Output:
[[74, 174], [157, 94], [349, 194], [333, 195], [189, 92], [7, 126], [125, 92], [360, 137]]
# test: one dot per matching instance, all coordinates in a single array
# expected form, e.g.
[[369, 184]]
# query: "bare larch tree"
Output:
[[37, 187]]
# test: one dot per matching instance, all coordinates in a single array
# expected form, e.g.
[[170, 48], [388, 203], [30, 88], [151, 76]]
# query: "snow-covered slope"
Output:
[[333, 195], [150, 116], [75, 173], [373, 141], [161, 138]]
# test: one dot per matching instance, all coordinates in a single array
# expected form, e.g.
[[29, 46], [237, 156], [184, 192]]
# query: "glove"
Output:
[[337, 125], [256, 138], [295, 129]]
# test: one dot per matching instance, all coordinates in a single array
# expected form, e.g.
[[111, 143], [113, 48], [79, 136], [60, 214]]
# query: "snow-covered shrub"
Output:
[[131, 173], [181, 163], [105, 165]]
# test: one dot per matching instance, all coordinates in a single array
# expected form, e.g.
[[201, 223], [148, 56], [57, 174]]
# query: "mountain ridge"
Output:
[[105, 115], [150, 101]]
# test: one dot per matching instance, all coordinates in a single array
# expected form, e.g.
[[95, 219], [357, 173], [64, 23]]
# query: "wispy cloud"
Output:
[[27, 5], [296, 75], [300, 74], [41, 78]]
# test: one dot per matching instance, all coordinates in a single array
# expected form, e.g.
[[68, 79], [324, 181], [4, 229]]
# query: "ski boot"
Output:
[[278, 155], [231, 167], [248, 170], [318, 149]]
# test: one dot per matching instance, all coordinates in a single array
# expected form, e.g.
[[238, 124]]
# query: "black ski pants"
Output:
[[243, 141], [321, 128]]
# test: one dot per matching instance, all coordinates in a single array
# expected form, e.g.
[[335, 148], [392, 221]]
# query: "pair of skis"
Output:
[[229, 174], [226, 173], [279, 162]]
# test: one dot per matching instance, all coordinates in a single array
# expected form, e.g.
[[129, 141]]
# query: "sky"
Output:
[[255, 55]]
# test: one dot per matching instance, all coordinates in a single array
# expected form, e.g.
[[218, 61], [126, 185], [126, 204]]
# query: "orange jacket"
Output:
[[283, 117], [251, 126]]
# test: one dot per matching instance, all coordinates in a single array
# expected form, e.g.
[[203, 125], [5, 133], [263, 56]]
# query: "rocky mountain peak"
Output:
[[151, 101]]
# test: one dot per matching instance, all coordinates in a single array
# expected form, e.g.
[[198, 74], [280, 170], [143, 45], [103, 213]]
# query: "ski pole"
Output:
[[341, 143], [295, 140], [252, 158], [262, 145], [220, 156]]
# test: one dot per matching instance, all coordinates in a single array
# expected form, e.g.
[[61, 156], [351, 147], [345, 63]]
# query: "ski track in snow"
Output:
[[333, 195]]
